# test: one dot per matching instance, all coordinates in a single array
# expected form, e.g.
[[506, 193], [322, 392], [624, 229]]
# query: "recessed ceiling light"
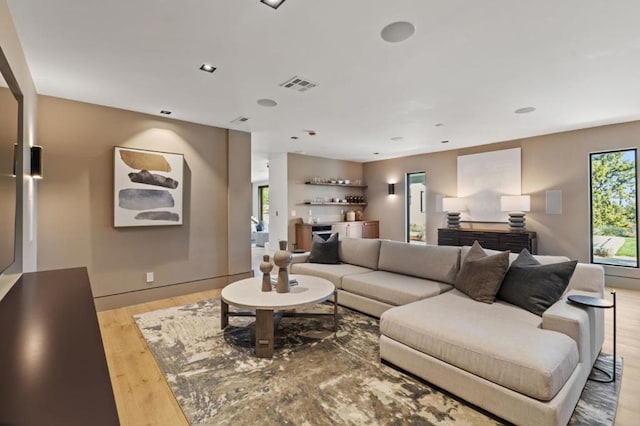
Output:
[[397, 32], [439, 124], [208, 68], [444, 141], [376, 153], [294, 137], [397, 138], [273, 3], [524, 110], [311, 132], [268, 103], [165, 112]]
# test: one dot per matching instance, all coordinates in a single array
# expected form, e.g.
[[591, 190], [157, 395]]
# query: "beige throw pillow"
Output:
[[481, 275]]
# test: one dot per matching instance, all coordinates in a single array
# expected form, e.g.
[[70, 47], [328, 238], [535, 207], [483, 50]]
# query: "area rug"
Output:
[[316, 377]]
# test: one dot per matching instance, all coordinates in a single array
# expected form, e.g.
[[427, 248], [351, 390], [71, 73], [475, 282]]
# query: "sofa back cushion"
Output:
[[360, 252], [438, 263]]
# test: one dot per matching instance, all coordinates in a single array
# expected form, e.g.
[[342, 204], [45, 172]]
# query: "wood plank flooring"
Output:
[[143, 397]]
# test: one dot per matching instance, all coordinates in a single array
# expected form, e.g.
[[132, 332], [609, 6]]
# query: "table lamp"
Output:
[[453, 206], [516, 205]]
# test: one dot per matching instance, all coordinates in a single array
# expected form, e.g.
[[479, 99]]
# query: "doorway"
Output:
[[416, 187], [263, 204]]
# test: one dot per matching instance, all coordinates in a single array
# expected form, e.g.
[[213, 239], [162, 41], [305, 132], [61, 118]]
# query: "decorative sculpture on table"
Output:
[[266, 268], [283, 259]]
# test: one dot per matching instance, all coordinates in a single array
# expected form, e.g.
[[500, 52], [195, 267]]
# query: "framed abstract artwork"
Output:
[[147, 188], [483, 178]]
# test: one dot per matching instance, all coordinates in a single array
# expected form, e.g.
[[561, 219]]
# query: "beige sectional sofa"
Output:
[[519, 366]]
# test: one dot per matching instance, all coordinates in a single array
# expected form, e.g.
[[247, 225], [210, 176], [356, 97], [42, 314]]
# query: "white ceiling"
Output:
[[469, 65]]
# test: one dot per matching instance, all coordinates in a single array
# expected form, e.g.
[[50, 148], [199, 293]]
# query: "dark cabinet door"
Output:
[[371, 229]]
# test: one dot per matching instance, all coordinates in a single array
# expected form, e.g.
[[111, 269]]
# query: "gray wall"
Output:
[[76, 203], [26, 235]]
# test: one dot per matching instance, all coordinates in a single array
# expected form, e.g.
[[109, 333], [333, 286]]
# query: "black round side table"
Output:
[[596, 302]]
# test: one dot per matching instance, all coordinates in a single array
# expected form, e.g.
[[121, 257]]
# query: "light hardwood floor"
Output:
[[144, 398]]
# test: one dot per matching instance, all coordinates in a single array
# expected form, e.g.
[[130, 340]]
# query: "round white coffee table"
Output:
[[247, 294]]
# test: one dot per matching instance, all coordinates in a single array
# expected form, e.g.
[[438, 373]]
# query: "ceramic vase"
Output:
[[283, 259], [266, 268]]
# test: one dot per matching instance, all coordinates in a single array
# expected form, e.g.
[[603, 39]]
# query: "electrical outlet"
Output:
[[293, 213], [149, 277]]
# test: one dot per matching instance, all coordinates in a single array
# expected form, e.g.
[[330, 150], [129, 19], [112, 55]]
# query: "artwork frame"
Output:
[[148, 187], [501, 173]]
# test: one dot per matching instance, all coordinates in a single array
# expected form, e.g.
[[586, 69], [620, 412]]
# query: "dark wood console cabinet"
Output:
[[494, 239], [53, 369]]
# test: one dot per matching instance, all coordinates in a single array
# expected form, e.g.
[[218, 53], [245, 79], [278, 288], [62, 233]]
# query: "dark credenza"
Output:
[[53, 370], [494, 239]]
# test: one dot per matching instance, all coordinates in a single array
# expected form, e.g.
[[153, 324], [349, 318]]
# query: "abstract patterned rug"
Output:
[[314, 378]]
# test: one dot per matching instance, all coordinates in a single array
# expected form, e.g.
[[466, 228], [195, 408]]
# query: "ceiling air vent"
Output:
[[239, 119], [299, 84]]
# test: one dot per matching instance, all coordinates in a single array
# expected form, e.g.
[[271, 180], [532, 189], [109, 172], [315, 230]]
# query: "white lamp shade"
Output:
[[452, 204], [515, 203]]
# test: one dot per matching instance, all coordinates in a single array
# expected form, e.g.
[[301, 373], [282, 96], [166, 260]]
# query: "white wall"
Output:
[[278, 199]]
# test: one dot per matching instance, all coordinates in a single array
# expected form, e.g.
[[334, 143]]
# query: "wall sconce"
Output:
[[36, 162], [392, 189], [273, 3], [453, 206], [516, 205]]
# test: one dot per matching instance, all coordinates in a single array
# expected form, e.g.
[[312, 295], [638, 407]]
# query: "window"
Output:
[[416, 212], [263, 203], [614, 218]]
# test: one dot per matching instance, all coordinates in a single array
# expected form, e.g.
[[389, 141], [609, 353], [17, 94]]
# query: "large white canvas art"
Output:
[[147, 188], [484, 178]]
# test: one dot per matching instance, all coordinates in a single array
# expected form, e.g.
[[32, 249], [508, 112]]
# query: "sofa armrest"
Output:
[[300, 257], [587, 277], [584, 325]]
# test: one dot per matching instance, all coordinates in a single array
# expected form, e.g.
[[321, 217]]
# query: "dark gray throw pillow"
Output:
[[324, 251], [533, 286], [481, 275]]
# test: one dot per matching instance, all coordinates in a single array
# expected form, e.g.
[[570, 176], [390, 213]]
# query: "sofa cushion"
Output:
[[324, 251], [533, 286], [499, 342], [438, 263], [333, 273], [391, 288], [481, 275], [359, 251]]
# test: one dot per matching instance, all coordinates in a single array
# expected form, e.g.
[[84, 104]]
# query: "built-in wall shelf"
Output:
[[345, 185], [309, 203]]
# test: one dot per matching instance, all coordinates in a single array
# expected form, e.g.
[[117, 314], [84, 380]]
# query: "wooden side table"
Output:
[[596, 302]]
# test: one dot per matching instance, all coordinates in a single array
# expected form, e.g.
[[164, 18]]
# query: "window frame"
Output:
[[591, 228]]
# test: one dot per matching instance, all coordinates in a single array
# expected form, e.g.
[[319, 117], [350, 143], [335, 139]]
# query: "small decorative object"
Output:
[[283, 259], [453, 206], [266, 268], [516, 205]]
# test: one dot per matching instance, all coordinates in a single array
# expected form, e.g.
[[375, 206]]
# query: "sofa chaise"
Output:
[[525, 368]]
